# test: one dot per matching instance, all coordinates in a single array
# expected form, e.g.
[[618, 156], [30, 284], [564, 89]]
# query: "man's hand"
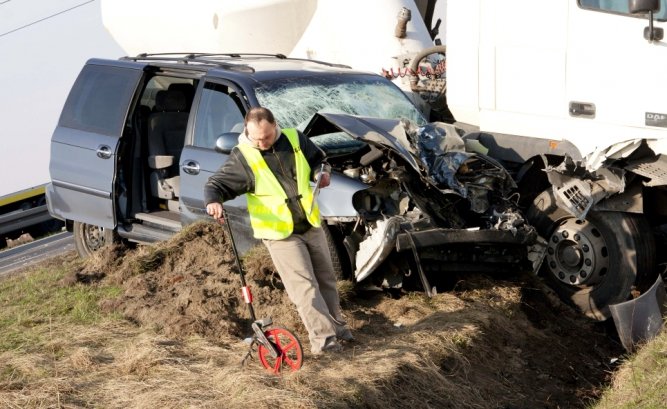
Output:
[[325, 179], [215, 210]]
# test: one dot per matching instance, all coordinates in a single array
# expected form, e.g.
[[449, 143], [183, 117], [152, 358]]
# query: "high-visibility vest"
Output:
[[270, 216]]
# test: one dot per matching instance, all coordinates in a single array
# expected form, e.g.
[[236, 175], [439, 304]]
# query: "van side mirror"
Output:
[[648, 6], [226, 142]]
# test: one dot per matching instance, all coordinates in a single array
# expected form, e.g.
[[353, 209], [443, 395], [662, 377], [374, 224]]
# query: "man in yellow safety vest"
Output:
[[274, 168]]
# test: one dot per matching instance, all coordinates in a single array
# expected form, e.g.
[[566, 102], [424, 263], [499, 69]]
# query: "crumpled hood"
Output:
[[435, 151], [382, 133]]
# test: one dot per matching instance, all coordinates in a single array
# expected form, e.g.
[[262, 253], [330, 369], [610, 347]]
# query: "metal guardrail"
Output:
[[20, 219]]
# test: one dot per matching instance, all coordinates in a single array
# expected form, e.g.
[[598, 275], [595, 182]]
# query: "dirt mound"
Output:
[[488, 343], [190, 285]]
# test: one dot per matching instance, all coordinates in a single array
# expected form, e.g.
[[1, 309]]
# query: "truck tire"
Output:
[[3, 242], [595, 262], [89, 238]]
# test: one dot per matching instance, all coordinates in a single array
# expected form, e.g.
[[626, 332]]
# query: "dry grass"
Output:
[[641, 381], [177, 347], [23, 239], [114, 364]]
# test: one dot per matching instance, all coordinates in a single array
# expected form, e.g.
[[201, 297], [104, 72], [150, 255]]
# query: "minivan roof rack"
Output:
[[188, 58], [219, 59]]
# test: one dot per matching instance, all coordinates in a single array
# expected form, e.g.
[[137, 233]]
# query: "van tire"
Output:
[[339, 270], [89, 238], [614, 250]]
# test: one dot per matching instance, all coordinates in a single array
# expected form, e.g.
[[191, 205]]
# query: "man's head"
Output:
[[260, 127]]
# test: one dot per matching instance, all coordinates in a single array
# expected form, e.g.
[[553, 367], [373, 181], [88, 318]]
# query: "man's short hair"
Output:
[[258, 114]]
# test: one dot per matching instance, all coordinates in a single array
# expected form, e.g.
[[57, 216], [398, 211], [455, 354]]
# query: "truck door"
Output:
[[614, 76], [220, 109], [85, 142]]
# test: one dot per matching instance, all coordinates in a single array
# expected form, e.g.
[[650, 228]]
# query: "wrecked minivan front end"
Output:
[[446, 208]]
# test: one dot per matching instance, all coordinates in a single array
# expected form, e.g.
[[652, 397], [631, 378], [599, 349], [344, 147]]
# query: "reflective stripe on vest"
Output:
[[270, 216]]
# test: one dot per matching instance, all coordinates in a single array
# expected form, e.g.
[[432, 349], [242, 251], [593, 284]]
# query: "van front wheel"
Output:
[[340, 269], [89, 238]]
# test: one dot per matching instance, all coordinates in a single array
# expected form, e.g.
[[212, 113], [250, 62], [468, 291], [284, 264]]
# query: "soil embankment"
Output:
[[488, 343]]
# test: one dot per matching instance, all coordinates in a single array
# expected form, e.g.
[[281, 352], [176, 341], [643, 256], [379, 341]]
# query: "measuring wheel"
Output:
[[288, 347], [275, 346]]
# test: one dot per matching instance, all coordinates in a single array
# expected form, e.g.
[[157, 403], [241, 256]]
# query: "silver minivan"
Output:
[[139, 137], [136, 139]]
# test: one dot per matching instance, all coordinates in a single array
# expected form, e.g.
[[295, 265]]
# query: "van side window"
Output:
[[620, 7], [220, 111], [99, 98]]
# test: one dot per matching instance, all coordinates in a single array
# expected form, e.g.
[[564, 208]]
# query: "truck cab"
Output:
[[570, 97], [578, 70]]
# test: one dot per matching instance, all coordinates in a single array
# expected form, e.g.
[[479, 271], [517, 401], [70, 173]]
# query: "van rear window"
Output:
[[99, 99]]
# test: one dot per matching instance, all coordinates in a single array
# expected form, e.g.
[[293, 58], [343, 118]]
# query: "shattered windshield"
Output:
[[294, 101]]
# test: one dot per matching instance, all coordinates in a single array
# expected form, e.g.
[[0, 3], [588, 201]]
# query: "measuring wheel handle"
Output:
[[288, 348]]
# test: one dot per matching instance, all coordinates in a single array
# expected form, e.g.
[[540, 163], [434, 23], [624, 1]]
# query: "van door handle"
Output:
[[585, 109], [191, 167], [103, 151]]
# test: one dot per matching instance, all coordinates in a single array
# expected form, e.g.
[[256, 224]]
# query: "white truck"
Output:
[[566, 94], [39, 33], [569, 95]]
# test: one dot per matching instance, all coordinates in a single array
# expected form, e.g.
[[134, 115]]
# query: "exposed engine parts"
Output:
[[427, 195]]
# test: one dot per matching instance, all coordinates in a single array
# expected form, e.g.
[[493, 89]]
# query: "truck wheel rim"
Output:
[[577, 253]]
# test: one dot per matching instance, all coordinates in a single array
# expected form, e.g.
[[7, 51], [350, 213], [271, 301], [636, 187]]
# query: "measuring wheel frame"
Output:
[[275, 346]]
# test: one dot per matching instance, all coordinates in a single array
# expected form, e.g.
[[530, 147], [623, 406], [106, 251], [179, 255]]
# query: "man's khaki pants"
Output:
[[304, 264]]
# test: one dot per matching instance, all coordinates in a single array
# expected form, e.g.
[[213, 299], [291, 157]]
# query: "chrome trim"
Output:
[[82, 189]]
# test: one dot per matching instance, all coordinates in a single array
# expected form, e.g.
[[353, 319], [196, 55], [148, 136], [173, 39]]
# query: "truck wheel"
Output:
[[88, 238], [595, 262], [333, 250]]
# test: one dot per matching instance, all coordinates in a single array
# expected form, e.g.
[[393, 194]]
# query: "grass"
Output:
[[32, 304], [59, 349], [23, 239], [641, 381]]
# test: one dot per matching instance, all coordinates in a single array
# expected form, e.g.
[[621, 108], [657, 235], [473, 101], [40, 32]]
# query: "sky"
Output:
[[43, 46]]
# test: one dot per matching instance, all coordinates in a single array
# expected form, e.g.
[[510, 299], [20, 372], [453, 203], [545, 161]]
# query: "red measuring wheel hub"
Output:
[[290, 354]]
